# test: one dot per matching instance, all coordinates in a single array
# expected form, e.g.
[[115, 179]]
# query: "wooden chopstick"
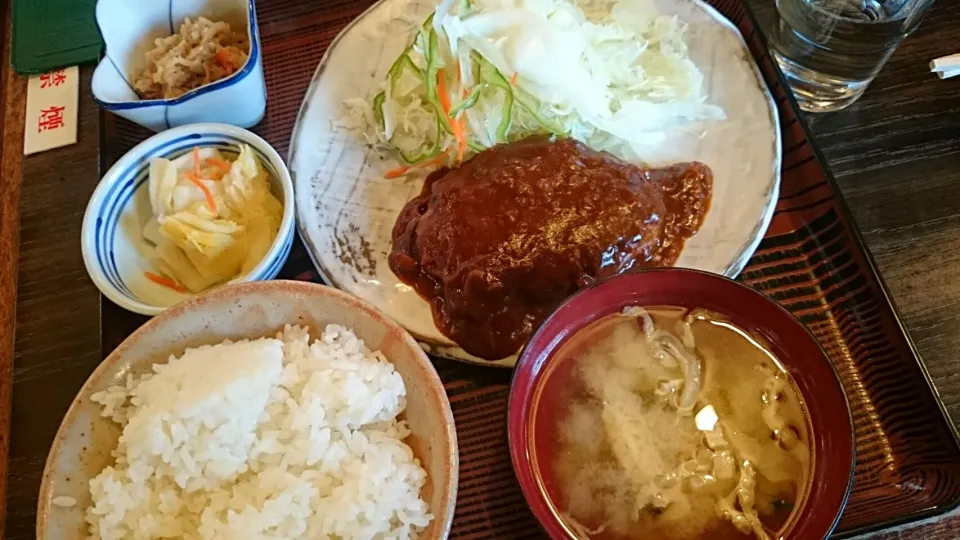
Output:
[[947, 66]]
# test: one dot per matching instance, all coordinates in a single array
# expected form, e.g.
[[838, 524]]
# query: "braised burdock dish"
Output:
[[201, 52]]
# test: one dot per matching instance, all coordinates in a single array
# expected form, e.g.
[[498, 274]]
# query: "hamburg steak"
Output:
[[498, 243]]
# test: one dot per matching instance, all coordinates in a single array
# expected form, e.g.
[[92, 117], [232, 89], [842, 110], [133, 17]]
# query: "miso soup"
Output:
[[670, 423]]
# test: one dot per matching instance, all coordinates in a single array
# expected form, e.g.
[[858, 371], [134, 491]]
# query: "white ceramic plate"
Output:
[[346, 209]]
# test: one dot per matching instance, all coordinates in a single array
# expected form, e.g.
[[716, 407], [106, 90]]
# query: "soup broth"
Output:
[[670, 423]]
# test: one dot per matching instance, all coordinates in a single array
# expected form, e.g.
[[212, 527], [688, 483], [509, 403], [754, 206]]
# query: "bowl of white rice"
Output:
[[271, 409]]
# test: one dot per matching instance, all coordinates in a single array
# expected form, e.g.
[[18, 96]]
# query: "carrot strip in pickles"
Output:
[[211, 202], [165, 281]]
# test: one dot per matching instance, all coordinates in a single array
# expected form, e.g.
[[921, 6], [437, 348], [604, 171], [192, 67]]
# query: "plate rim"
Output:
[[452, 351]]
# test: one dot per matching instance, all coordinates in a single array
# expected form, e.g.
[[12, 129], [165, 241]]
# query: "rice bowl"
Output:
[[295, 439]]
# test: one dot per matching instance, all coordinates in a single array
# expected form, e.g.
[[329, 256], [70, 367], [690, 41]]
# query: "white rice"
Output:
[[272, 438]]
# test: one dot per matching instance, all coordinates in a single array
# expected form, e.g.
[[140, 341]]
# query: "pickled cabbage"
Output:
[[205, 236], [615, 75]]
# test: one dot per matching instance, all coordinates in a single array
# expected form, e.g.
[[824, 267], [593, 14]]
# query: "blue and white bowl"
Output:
[[114, 250], [129, 29]]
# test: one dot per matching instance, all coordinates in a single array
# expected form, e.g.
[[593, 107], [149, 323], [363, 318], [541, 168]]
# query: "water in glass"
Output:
[[830, 50]]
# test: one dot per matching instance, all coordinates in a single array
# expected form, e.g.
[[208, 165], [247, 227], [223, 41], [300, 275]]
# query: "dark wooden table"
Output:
[[896, 154]]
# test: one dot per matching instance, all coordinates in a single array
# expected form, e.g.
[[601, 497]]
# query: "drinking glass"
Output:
[[830, 50]]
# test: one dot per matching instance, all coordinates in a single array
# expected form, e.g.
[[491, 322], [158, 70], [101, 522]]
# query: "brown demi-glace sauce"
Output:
[[498, 243]]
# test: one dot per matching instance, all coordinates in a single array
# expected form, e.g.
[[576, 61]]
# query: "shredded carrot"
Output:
[[396, 173], [400, 171], [442, 92], [165, 281], [432, 161], [513, 80], [196, 161], [458, 72], [455, 126], [218, 163], [211, 203], [457, 136]]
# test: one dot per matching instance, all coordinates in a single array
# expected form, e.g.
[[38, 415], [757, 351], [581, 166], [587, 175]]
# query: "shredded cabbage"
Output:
[[614, 75]]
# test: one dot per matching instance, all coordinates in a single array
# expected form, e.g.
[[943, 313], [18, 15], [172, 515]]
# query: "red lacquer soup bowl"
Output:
[[831, 440]]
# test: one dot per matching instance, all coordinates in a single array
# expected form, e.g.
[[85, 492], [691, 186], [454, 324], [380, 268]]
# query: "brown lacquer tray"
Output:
[[812, 261]]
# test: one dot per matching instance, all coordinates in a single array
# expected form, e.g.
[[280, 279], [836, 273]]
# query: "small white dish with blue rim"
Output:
[[129, 30], [114, 251]]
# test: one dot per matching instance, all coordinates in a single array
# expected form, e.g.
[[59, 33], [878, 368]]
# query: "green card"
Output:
[[51, 34]]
